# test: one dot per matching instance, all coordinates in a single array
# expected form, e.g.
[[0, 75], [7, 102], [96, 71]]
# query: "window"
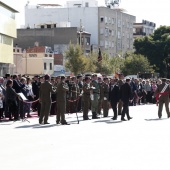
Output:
[[101, 31], [113, 20], [101, 43], [51, 66], [101, 19], [45, 66], [118, 35], [42, 26], [14, 50], [86, 4], [5, 40], [18, 50], [48, 26], [105, 20]]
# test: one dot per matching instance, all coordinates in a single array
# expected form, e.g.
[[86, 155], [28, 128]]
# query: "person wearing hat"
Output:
[[125, 96], [45, 99], [62, 88], [80, 84], [162, 96], [95, 98]]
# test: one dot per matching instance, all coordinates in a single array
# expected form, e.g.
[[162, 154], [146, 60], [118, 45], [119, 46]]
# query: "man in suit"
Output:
[[125, 96], [162, 95], [45, 99], [114, 97], [105, 91], [62, 88], [120, 83]]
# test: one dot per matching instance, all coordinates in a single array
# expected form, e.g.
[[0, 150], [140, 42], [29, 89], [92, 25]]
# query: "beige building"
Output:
[[7, 33], [36, 60]]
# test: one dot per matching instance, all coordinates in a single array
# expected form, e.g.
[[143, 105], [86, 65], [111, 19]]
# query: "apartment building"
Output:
[[144, 28], [110, 29], [37, 60], [7, 34]]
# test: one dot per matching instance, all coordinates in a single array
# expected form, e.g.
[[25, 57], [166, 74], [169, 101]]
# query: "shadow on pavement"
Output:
[[44, 126], [156, 119], [27, 126], [107, 121]]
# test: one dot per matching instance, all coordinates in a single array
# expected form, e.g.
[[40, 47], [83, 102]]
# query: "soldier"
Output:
[[45, 99], [100, 82], [162, 94], [86, 98], [75, 92], [105, 95], [95, 96], [62, 88], [80, 84]]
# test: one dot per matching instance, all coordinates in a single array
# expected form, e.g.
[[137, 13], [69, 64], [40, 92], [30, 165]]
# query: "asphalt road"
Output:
[[142, 143]]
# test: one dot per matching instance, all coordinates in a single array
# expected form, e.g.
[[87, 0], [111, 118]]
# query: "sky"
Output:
[[156, 11]]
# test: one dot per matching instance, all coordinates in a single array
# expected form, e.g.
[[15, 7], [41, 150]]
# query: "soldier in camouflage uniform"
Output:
[[62, 88], [86, 98], [95, 96], [75, 92]]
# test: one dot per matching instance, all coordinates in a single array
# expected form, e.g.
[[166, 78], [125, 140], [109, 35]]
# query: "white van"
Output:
[[131, 76]]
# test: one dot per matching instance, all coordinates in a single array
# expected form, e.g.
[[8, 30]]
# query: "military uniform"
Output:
[[45, 100], [163, 97], [100, 98], [94, 101], [105, 97], [86, 100], [75, 92], [62, 88]]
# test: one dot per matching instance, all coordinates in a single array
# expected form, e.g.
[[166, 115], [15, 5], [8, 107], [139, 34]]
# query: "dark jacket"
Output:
[[114, 94], [125, 92], [11, 95]]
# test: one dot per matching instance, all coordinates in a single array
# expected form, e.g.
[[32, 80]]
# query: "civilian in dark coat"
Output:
[[125, 96], [114, 97], [11, 100]]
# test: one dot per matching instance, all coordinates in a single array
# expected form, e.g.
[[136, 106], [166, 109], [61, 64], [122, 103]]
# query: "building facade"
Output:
[[144, 28], [32, 61], [7, 34], [110, 29]]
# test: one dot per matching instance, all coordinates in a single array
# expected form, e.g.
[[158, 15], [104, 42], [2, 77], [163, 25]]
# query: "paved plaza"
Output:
[[142, 143]]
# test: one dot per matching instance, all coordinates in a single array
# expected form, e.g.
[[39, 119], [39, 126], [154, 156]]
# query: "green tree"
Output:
[[156, 48], [75, 60], [135, 63]]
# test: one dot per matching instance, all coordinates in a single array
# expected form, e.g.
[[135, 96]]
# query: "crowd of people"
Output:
[[59, 95]]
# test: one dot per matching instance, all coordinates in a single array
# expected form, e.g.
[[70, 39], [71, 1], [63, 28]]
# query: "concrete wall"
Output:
[[46, 37], [89, 17]]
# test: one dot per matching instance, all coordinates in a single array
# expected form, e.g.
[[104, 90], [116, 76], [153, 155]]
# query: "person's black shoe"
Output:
[[57, 122], [123, 119], [168, 116], [86, 118], [65, 123], [40, 122], [46, 123], [130, 118], [114, 118], [95, 117]]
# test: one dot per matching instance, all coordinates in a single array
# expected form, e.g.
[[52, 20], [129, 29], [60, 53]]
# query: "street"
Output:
[[142, 143]]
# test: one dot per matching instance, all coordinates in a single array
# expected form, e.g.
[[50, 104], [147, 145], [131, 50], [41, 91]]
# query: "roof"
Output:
[[49, 4], [8, 7]]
